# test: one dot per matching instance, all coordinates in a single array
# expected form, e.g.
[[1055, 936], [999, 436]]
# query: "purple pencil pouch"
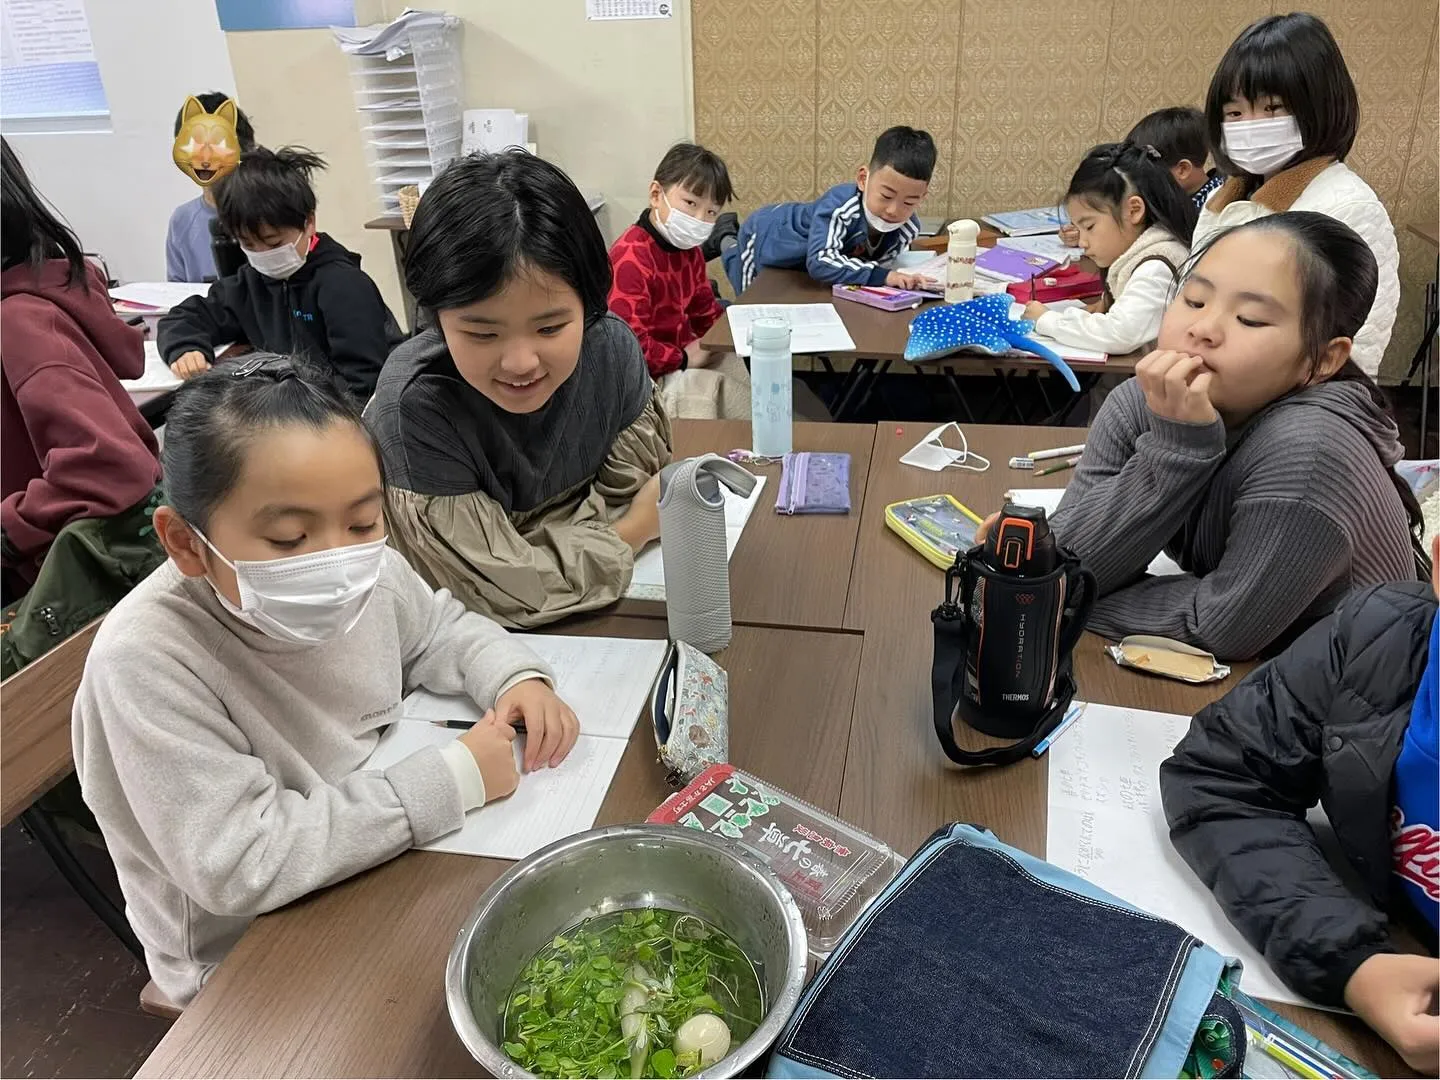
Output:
[[814, 484]]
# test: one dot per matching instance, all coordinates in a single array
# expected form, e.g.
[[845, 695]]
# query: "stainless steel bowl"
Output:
[[605, 870]]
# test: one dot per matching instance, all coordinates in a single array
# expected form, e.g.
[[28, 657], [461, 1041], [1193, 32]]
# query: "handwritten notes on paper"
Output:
[[1106, 824]]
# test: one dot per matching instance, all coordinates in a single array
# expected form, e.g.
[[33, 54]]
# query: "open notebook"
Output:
[[1106, 824], [606, 681], [648, 581], [1048, 499]]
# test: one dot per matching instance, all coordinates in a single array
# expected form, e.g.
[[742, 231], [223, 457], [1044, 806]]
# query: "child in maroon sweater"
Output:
[[660, 287]]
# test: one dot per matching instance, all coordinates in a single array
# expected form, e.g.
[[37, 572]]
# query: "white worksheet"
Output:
[[814, 328], [606, 681], [1106, 824]]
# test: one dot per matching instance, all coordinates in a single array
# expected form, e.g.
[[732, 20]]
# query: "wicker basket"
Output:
[[409, 197]]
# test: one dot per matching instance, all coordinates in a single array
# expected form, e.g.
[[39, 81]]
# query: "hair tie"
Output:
[[279, 373]]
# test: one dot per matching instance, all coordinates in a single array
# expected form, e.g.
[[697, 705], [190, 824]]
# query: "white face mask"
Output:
[[278, 263], [879, 224], [932, 453], [305, 599], [683, 230], [1260, 147]]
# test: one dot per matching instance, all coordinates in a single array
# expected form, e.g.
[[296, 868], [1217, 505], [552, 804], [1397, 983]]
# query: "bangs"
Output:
[[708, 183]]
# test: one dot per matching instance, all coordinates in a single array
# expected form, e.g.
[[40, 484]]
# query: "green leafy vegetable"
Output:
[[605, 998]]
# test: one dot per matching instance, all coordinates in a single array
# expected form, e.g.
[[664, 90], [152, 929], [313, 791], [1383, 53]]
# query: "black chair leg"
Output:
[[40, 825]]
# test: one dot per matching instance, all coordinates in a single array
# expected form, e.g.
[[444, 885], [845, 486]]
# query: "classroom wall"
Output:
[[118, 188], [605, 100], [793, 93]]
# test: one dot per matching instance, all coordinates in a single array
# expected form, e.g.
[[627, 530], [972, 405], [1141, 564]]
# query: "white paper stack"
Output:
[[407, 82]]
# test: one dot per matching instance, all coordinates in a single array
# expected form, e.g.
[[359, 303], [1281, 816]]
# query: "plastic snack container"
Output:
[[832, 869]]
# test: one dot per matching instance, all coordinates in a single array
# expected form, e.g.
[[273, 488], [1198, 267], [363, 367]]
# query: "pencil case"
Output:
[[880, 296], [979, 959], [1063, 283], [812, 483], [690, 708], [937, 526]]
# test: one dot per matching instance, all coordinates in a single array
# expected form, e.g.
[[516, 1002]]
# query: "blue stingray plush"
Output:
[[983, 324]]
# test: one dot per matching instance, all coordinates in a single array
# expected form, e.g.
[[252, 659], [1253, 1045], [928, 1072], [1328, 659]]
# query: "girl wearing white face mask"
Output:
[[660, 286], [231, 699], [1282, 114]]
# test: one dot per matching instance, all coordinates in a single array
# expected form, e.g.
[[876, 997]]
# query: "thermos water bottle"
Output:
[[692, 546], [770, 388], [960, 261]]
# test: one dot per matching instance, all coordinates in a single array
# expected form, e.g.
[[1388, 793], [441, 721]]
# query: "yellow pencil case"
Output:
[[937, 526]]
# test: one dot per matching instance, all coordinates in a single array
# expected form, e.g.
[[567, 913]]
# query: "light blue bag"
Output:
[[982, 960]]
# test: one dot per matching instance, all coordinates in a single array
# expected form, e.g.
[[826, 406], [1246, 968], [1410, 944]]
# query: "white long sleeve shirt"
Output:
[[1140, 284]]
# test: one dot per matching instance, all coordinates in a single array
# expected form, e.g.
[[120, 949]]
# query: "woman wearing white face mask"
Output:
[[231, 699], [1282, 114]]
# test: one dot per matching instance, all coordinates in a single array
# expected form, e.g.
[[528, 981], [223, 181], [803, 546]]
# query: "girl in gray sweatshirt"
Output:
[[1250, 448], [230, 701]]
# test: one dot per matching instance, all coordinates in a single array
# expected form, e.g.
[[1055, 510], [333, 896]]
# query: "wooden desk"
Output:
[[350, 981], [880, 338], [787, 570], [896, 783]]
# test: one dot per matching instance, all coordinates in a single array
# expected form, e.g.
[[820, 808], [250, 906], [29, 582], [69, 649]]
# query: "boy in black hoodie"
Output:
[[302, 293]]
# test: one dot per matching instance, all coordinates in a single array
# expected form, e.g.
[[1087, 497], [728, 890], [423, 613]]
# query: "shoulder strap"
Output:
[[948, 666]]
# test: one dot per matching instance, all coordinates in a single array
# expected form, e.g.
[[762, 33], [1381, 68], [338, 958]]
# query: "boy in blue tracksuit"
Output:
[[853, 233]]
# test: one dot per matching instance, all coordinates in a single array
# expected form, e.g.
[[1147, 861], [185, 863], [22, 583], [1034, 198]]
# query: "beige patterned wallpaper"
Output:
[[793, 92]]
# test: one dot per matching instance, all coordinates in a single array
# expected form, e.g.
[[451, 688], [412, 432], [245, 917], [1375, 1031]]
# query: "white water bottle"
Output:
[[960, 261], [770, 418]]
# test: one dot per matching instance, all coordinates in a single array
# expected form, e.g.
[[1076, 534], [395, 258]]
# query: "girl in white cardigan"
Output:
[[1282, 113], [1135, 222]]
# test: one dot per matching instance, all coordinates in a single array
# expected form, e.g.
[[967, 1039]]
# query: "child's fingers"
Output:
[[570, 732]]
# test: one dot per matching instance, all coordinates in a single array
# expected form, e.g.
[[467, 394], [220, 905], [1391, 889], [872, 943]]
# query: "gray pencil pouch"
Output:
[[812, 483], [690, 706]]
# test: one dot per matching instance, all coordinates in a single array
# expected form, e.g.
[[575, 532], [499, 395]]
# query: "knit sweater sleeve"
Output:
[[1280, 554], [1134, 486], [1132, 321]]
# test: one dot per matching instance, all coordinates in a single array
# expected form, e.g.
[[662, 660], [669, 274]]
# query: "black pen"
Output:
[[466, 725]]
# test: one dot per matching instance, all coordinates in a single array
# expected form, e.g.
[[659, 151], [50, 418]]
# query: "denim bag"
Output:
[[981, 960]]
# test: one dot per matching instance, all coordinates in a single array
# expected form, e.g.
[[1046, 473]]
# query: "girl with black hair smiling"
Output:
[[521, 432], [1135, 222], [1282, 114]]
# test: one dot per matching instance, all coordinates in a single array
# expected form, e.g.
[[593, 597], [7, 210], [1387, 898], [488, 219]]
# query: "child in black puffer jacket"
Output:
[[1345, 717]]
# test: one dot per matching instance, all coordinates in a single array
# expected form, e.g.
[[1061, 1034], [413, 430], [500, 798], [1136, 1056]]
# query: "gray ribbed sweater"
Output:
[[1273, 522]]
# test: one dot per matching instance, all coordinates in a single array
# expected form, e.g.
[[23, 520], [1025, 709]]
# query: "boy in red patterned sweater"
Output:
[[660, 287]]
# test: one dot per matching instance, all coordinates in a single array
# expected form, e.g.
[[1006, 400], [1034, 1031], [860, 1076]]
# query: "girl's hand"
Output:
[[641, 523], [1070, 235], [1177, 387], [983, 532], [489, 743], [190, 364], [1033, 310], [551, 727], [1395, 994]]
